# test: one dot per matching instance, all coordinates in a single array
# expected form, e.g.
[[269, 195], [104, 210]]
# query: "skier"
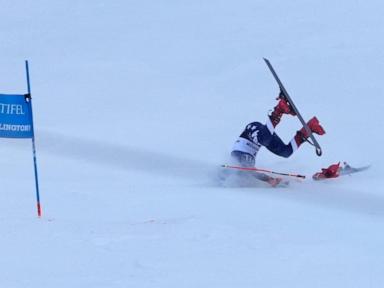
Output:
[[257, 134]]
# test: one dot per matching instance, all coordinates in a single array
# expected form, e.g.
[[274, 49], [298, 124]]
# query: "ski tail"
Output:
[[289, 99], [348, 169]]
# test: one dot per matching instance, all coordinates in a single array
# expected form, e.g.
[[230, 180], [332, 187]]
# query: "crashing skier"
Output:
[[256, 135]]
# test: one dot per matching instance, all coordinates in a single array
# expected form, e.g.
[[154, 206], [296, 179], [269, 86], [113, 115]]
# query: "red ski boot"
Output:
[[314, 126], [333, 171], [281, 108], [284, 107]]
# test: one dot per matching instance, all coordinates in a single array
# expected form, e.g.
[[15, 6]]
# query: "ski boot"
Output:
[[281, 108], [314, 126], [333, 171]]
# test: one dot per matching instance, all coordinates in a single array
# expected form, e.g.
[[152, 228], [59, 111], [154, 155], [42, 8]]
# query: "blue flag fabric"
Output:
[[15, 116]]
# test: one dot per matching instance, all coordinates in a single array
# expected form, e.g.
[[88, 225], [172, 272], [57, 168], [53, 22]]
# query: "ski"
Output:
[[250, 174], [262, 170], [335, 171], [347, 169], [289, 99]]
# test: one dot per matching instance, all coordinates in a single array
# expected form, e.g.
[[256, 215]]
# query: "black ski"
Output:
[[289, 99]]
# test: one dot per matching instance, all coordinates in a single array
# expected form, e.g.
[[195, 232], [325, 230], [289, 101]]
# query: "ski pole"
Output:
[[262, 170]]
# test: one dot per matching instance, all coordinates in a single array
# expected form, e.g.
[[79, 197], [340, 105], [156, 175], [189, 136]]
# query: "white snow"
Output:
[[137, 103]]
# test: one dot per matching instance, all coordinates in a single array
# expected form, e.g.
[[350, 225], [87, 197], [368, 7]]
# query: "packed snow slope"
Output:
[[137, 103]]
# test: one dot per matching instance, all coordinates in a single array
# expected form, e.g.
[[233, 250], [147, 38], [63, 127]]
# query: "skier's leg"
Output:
[[270, 180], [272, 142], [262, 176], [278, 147], [268, 138]]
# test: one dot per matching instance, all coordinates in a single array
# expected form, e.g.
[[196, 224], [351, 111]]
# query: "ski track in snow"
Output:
[[124, 157]]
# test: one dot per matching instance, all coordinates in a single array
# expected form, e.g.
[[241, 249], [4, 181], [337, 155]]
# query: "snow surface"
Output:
[[137, 103]]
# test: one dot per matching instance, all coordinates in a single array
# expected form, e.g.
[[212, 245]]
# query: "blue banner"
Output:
[[15, 116]]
